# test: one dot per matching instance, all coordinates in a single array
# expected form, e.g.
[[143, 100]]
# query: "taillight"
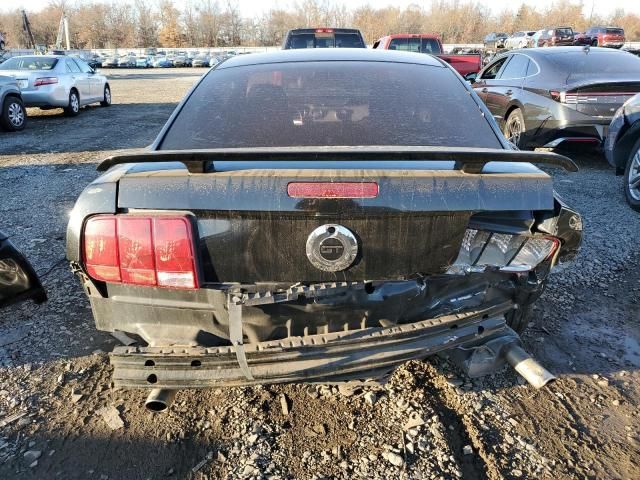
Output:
[[332, 189], [555, 95], [324, 30], [101, 249], [175, 264], [563, 97], [45, 81], [140, 250], [509, 253]]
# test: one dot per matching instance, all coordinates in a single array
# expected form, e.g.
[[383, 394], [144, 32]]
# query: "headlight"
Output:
[[510, 253]]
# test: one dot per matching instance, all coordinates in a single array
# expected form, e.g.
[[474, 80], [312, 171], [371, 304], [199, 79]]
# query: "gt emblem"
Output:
[[332, 248]]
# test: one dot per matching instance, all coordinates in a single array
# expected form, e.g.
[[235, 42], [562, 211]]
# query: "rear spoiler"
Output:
[[468, 160]]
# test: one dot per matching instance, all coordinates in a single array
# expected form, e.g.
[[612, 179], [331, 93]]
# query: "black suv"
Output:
[[323, 38]]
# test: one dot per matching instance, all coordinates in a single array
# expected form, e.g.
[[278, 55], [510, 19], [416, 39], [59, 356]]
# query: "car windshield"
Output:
[[29, 63], [583, 65], [325, 40], [330, 104]]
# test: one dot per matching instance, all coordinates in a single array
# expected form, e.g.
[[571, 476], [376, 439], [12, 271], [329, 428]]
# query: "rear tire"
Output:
[[594, 43], [73, 108], [631, 182], [106, 102], [514, 127], [13, 117], [518, 319]]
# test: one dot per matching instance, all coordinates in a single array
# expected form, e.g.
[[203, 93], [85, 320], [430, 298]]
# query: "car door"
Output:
[[507, 85], [483, 82], [95, 84], [79, 80]]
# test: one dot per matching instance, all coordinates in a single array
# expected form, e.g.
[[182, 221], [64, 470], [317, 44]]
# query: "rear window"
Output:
[[564, 32], [324, 40], [582, 65], [615, 31], [29, 63], [329, 104]]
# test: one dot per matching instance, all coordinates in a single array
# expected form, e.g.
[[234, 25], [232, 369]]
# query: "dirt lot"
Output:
[[429, 421]]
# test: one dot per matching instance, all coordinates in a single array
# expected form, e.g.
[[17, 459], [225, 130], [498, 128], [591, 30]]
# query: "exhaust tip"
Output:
[[159, 400], [156, 406], [528, 367]]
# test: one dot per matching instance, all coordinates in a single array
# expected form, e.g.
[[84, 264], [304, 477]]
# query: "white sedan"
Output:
[[57, 81]]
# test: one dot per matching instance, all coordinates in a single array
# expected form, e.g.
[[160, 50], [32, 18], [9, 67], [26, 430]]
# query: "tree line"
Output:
[[213, 23]]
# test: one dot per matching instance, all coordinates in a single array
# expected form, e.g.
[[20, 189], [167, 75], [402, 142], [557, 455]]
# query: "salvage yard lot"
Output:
[[429, 421]]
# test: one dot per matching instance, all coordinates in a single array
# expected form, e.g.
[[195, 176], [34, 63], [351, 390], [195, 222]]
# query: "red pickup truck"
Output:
[[431, 44]]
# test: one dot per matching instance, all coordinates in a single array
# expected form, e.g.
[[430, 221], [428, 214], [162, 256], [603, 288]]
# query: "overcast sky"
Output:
[[252, 7]]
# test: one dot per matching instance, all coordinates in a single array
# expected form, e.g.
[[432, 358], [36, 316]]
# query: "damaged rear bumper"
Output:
[[367, 354]]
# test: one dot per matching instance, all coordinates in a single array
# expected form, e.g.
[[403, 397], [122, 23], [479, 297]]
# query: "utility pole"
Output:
[[26, 28], [63, 28]]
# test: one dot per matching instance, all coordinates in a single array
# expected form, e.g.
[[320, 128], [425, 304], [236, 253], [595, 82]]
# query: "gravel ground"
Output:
[[59, 417]]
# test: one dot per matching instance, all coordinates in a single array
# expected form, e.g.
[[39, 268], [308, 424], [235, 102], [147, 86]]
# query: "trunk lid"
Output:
[[26, 78], [250, 229], [601, 99]]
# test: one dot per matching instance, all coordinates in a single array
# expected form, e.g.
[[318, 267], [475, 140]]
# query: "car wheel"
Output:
[[514, 127], [73, 108], [632, 178], [14, 115], [107, 97], [594, 43], [1, 45]]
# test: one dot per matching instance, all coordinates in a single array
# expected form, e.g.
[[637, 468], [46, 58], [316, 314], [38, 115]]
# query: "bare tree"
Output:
[[215, 23]]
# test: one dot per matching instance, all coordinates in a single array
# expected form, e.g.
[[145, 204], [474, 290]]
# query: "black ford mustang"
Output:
[[318, 215]]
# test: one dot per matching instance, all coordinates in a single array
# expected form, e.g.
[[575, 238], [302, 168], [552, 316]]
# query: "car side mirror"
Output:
[[471, 77]]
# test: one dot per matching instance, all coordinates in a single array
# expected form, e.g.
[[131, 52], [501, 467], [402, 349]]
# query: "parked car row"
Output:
[[162, 60], [597, 36]]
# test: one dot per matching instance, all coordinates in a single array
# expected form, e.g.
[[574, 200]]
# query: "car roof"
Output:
[[413, 35], [56, 57], [314, 30], [549, 52], [331, 54]]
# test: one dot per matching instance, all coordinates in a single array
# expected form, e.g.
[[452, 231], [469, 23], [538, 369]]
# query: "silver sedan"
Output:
[[57, 81]]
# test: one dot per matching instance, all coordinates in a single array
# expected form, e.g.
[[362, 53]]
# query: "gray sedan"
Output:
[[547, 97], [57, 81]]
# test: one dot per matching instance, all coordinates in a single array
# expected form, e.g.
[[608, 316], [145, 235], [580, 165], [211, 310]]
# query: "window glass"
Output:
[[491, 71], [329, 103], [615, 31], [563, 32], [399, 44], [516, 68], [29, 63], [325, 40], [72, 66], [430, 45], [532, 69], [581, 65], [84, 68]]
